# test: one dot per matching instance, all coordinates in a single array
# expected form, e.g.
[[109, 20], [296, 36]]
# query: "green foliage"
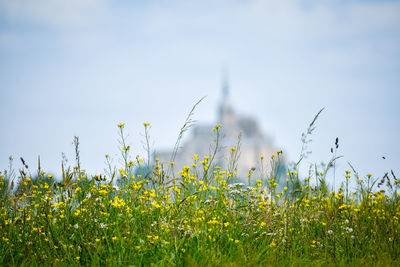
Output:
[[196, 216]]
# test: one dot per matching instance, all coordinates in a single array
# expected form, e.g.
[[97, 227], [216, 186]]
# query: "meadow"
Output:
[[199, 215]]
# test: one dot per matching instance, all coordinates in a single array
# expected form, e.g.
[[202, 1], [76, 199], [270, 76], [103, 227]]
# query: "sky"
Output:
[[80, 67]]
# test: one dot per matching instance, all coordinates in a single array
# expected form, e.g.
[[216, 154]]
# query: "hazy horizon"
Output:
[[79, 68]]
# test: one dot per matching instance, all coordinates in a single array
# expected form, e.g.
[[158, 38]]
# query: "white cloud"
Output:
[[278, 51], [54, 13]]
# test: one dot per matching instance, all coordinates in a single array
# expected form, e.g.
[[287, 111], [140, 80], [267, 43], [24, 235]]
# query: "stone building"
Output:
[[253, 143]]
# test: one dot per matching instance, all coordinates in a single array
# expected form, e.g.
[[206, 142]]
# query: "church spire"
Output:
[[225, 86], [225, 112]]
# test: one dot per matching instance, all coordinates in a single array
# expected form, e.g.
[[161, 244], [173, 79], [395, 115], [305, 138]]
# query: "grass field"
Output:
[[196, 216]]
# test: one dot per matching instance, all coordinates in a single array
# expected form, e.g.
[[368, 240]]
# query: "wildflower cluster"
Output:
[[199, 214]]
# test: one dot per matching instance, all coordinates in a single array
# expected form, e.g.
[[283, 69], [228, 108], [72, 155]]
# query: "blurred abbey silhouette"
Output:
[[253, 143]]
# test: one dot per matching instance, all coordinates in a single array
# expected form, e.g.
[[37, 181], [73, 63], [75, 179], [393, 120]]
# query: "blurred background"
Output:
[[80, 67]]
